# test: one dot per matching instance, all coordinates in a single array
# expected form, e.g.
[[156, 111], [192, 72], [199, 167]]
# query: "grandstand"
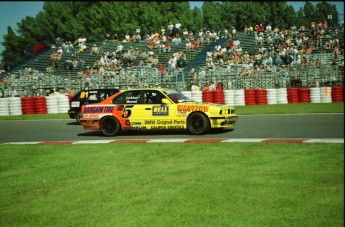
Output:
[[44, 78]]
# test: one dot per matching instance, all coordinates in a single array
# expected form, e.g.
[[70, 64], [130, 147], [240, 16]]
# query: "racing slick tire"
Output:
[[110, 126], [78, 117], [198, 124]]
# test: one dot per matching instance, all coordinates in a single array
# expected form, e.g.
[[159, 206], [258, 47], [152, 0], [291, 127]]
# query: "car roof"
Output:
[[147, 89]]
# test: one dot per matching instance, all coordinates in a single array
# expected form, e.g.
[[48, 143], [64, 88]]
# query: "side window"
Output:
[[153, 97], [101, 95], [129, 97], [119, 99]]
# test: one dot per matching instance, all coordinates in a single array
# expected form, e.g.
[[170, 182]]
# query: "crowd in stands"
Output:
[[274, 48]]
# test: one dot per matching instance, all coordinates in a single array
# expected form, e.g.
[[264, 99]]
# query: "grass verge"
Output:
[[251, 184]]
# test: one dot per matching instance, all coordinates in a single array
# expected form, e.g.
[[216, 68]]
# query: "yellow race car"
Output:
[[155, 109]]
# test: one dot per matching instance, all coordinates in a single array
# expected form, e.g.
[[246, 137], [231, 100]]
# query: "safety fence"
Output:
[[60, 104]]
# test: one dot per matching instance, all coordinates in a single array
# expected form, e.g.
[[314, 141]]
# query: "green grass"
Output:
[[297, 108], [251, 184]]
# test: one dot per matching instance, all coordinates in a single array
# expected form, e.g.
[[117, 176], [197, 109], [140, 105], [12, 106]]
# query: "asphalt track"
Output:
[[249, 128]]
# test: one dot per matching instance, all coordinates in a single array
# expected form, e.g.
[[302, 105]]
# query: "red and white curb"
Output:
[[239, 140]]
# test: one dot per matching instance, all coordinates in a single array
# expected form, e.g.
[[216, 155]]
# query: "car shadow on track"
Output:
[[154, 133]]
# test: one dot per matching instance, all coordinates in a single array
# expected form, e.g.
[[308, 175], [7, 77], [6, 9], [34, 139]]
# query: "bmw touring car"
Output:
[[155, 109]]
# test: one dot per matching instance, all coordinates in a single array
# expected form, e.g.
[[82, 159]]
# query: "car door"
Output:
[[156, 115]]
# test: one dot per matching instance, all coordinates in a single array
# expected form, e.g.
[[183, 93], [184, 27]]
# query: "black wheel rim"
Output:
[[197, 123], [108, 126]]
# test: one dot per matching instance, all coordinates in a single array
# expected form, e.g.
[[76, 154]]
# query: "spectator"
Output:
[[119, 48], [206, 87], [68, 64], [219, 86], [195, 87], [13, 92], [172, 63], [170, 29], [212, 86], [161, 71], [233, 32], [95, 49], [178, 26]]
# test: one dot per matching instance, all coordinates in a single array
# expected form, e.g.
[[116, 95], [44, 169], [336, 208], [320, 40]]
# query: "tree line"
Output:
[[72, 19]]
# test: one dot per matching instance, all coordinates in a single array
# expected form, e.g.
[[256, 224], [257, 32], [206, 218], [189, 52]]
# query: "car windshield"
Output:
[[176, 96]]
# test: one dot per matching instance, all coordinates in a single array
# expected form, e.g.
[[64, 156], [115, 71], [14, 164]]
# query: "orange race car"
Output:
[[155, 109]]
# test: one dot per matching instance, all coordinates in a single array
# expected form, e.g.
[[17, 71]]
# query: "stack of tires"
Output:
[[188, 94], [229, 97], [40, 105], [15, 106], [207, 96], [304, 95], [261, 96], [4, 107], [338, 94], [218, 96], [292, 95], [249, 95], [326, 94], [27, 105], [239, 97], [282, 96], [271, 96], [196, 96], [52, 104], [63, 104], [315, 95]]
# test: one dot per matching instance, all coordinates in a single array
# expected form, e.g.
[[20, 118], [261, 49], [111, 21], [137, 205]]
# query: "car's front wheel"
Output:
[[198, 123], [110, 126]]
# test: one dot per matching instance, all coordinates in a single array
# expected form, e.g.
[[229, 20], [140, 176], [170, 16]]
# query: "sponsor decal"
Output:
[[191, 108], [134, 128], [168, 127], [132, 99], [99, 109], [160, 110], [75, 104], [164, 122]]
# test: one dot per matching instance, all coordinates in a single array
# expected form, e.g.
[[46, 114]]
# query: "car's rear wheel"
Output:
[[198, 123], [78, 117], [110, 126]]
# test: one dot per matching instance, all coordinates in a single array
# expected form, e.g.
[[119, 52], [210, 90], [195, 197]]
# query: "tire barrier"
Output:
[[207, 96], [60, 104], [218, 96], [197, 96], [63, 104], [260, 96], [338, 94], [15, 105], [282, 96], [292, 95], [40, 105], [187, 94], [315, 94], [326, 94], [4, 107], [239, 98], [28, 105], [249, 97], [303, 95], [229, 97], [52, 104], [271, 96]]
